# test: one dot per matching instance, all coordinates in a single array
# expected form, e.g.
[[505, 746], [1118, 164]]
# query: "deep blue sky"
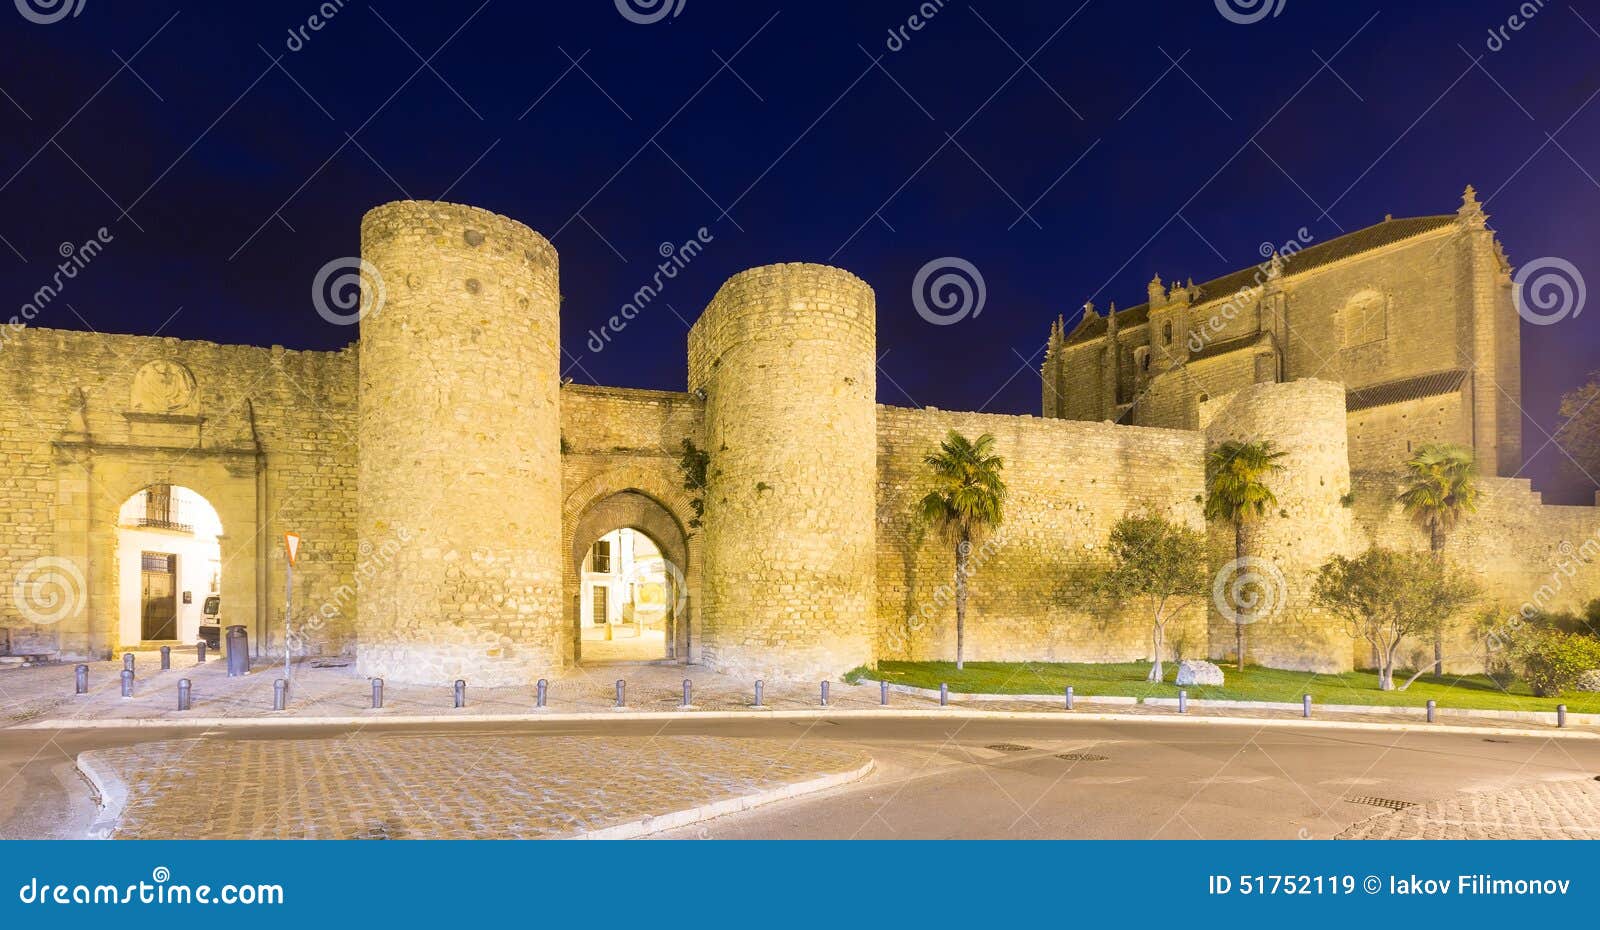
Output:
[[243, 184]]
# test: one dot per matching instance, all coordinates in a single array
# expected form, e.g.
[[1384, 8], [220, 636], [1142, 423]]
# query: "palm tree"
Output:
[[1236, 491], [1442, 490], [966, 503]]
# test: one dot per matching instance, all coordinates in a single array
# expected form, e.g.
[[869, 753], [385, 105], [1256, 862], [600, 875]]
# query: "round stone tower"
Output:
[[459, 528], [786, 358], [1311, 523]]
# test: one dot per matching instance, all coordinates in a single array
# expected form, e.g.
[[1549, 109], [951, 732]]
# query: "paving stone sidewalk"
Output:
[[468, 787], [1561, 810], [330, 688]]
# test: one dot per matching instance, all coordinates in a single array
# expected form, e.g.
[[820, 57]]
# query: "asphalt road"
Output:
[[968, 779]]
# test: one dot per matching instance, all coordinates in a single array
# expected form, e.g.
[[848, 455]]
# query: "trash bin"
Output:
[[238, 651]]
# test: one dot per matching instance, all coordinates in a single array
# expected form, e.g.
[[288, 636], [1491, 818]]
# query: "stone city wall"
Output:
[[1310, 524], [460, 451], [1069, 482], [267, 436], [620, 445], [786, 357], [1522, 552]]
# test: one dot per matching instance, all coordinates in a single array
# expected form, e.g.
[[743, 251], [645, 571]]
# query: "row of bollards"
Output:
[[280, 691]]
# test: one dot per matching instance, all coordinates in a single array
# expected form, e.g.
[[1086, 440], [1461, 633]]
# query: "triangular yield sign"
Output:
[[291, 543]]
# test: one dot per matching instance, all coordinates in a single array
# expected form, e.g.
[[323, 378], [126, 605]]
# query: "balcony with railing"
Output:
[[156, 507]]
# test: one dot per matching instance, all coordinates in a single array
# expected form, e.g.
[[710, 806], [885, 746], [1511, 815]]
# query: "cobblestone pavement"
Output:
[[1559, 810], [322, 688], [466, 787]]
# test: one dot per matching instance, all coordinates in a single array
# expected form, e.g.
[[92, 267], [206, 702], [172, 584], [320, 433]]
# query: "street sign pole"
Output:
[[291, 548]]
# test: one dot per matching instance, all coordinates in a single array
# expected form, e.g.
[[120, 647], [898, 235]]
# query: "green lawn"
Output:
[[1254, 684]]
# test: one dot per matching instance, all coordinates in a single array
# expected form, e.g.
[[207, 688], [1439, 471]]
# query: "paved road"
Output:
[[969, 779]]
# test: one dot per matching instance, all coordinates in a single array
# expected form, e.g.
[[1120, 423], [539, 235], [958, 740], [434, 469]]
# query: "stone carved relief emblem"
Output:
[[163, 386]]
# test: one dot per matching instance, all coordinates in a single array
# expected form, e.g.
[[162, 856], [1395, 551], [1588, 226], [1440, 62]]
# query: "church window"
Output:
[[1366, 318], [1166, 333], [602, 557]]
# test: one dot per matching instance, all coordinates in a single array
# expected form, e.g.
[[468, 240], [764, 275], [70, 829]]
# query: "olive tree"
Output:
[[1160, 564], [1384, 596]]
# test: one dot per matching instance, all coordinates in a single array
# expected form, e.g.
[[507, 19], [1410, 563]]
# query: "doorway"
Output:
[[169, 563], [158, 601]]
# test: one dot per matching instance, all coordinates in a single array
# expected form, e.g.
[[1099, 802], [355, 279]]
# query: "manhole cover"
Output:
[[1080, 757], [1388, 803], [1008, 747]]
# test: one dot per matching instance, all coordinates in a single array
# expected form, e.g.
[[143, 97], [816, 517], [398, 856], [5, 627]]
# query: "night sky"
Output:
[[1068, 152]]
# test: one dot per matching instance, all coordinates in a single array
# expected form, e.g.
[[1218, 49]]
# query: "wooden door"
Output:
[[158, 614]]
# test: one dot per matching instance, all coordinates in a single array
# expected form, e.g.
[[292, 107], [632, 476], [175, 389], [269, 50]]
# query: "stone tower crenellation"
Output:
[[786, 357], [460, 447]]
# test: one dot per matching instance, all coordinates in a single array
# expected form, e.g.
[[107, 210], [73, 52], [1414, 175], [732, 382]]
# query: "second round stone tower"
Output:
[[459, 527], [786, 358]]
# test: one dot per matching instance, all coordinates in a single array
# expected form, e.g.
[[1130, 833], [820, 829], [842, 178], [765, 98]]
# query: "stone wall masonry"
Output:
[[1306, 420], [1385, 436], [787, 357], [461, 446], [617, 444], [1069, 482], [267, 436], [1521, 551]]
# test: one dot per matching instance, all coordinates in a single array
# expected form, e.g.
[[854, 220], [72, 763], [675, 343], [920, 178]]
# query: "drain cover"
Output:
[[1008, 747], [1389, 803], [1080, 757]]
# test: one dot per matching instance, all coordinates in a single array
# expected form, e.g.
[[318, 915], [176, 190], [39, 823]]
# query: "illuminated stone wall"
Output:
[[786, 356], [1069, 483], [460, 446]]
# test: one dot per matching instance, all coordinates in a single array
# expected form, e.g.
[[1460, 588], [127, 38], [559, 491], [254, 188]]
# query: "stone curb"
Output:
[[933, 713], [111, 791], [1523, 716], [648, 825], [113, 794]]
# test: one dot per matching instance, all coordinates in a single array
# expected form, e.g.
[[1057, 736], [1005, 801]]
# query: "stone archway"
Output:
[[645, 500], [92, 483]]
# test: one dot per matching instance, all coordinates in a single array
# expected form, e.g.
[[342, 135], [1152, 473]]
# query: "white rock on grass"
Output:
[[1198, 672], [1588, 681]]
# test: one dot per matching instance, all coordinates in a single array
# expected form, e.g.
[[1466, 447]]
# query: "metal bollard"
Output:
[[200, 652], [944, 694], [461, 692], [544, 691], [883, 693], [688, 693], [127, 661], [1069, 697], [1183, 702], [166, 658], [622, 693], [1561, 715], [1433, 710], [127, 682], [81, 679], [377, 693], [824, 694], [280, 694], [1305, 706], [183, 693], [758, 692]]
